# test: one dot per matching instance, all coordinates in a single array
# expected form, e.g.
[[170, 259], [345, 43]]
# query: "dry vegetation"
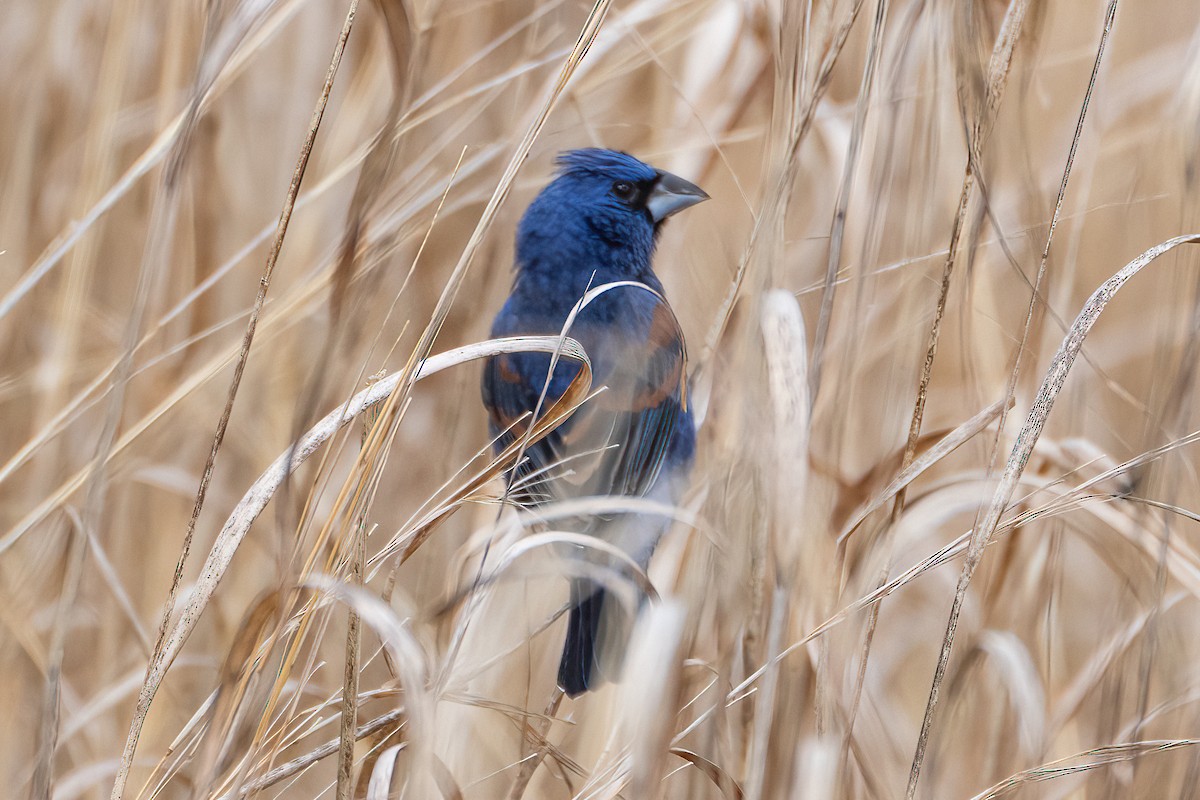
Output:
[[873, 165]]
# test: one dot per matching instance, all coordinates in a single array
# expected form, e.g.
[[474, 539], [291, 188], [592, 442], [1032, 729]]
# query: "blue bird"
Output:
[[597, 223]]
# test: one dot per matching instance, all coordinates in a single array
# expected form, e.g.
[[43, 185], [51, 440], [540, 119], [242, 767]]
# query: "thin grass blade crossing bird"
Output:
[[598, 223]]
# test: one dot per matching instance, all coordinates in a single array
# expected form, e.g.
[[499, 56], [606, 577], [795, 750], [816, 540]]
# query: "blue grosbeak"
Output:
[[597, 223]]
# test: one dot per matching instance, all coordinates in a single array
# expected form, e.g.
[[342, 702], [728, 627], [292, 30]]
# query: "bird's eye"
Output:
[[624, 190]]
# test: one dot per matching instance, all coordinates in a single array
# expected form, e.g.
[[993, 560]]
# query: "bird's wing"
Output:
[[615, 443], [512, 388], [634, 419]]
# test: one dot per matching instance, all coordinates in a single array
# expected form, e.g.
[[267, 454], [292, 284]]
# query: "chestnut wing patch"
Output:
[[616, 442]]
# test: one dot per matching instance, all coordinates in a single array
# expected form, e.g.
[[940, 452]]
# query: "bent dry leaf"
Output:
[[944, 447], [721, 779], [1082, 762]]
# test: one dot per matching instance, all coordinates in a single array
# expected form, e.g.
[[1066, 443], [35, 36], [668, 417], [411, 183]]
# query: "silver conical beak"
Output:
[[672, 194]]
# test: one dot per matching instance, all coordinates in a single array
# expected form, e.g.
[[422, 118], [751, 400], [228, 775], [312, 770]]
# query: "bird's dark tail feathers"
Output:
[[578, 671]]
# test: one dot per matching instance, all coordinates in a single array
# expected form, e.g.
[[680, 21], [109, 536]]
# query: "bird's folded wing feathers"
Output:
[[616, 442]]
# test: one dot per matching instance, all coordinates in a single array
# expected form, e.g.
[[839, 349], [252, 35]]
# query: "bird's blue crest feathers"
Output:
[[607, 162]]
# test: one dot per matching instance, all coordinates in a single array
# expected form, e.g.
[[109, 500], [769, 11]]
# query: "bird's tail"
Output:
[[579, 669], [599, 625]]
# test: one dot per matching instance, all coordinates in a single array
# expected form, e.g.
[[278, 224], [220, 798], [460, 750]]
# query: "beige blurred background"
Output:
[[1079, 630]]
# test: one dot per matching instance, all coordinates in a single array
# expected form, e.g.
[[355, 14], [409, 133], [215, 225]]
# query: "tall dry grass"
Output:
[[913, 202]]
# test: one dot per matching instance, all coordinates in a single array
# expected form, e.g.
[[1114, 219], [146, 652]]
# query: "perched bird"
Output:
[[597, 223]]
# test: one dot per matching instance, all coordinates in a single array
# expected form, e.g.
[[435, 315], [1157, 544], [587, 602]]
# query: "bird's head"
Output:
[[604, 205]]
